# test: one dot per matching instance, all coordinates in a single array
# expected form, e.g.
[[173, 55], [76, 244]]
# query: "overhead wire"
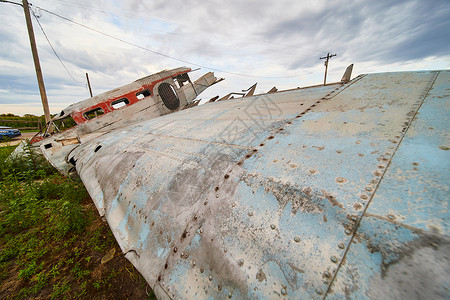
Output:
[[12, 2], [134, 45], [46, 37], [159, 53], [134, 16], [51, 46]]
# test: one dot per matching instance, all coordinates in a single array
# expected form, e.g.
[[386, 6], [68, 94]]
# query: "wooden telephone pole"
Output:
[[37, 65], [326, 65], [89, 84]]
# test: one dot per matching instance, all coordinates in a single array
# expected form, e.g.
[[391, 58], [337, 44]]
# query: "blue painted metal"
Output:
[[402, 244], [283, 194]]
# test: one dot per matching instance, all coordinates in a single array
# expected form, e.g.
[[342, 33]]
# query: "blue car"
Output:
[[8, 132]]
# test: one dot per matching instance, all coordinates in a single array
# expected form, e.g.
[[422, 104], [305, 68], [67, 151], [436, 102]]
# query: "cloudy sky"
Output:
[[275, 43]]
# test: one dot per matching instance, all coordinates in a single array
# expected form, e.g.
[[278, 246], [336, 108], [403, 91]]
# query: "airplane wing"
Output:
[[328, 191]]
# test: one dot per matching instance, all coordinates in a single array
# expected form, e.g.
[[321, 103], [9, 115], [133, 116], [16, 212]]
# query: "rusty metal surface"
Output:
[[57, 147], [118, 92], [261, 197]]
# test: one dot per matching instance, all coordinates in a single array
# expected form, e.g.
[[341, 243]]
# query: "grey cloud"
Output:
[[17, 86], [236, 36], [383, 30]]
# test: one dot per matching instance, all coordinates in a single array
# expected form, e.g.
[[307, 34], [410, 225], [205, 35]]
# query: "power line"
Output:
[[11, 2], [138, 46], [134, 16], [46, 37], [51, 46], [159, 53]]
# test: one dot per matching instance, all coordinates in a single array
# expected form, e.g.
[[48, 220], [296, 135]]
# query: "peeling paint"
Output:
[[322, 192]]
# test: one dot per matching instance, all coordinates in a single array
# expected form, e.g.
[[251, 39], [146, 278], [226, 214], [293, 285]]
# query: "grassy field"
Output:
[[52, 240]]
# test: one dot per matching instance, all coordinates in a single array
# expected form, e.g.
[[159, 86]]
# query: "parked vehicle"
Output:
[[8, 132]]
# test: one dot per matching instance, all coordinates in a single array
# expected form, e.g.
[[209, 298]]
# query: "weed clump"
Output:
[[37, 207], [52, 239], [33, 193]]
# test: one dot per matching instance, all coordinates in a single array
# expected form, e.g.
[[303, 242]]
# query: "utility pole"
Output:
[[326, 65], [89, 84], [37, 65]]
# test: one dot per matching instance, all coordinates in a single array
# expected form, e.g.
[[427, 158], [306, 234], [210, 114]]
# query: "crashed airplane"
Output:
[[149, 97], [330, 191]]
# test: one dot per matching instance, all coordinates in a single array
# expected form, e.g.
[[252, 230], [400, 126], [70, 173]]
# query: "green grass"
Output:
[[29, 130], [51, 239], [37, 206]]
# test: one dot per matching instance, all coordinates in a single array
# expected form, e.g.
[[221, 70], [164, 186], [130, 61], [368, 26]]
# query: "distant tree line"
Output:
[[24, 122]]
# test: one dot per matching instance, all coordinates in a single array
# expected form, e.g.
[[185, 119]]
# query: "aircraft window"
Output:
[[65, 123], [93, 113], [177, 84], [120, 103], [142, 94], [181, 79], [169, 96]]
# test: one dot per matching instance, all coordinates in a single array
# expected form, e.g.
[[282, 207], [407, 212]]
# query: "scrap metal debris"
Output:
[[337, 190]]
